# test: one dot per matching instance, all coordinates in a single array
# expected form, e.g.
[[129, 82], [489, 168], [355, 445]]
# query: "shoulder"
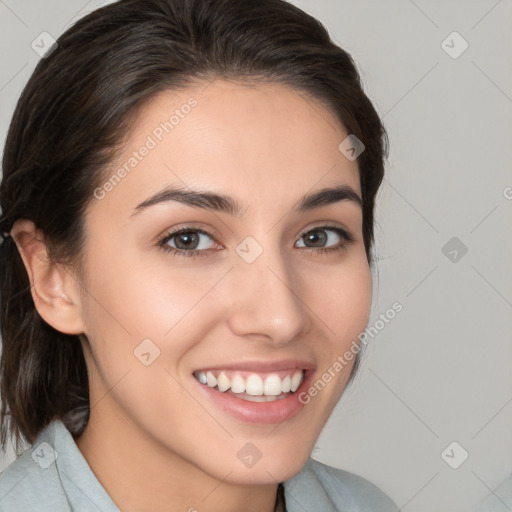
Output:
[[322, 487], [500, 500], [32, 482]]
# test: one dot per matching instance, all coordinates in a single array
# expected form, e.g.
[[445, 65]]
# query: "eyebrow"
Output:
[[223, 203]]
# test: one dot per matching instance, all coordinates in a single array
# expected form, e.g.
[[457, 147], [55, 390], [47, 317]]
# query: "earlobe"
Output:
[[53, 287]]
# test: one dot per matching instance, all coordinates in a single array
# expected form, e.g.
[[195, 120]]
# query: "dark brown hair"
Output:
[[73, 115]]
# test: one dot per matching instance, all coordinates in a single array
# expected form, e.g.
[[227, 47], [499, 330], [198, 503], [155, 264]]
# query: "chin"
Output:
[[266, 474], [261, 462]]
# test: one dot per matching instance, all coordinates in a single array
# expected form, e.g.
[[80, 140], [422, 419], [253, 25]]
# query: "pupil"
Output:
[[189, 237], [317, 236]]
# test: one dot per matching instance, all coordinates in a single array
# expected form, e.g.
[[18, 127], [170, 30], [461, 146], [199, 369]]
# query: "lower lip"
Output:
[[276, 411]]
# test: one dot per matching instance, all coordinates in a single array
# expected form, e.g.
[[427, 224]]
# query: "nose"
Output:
[[267, 301]]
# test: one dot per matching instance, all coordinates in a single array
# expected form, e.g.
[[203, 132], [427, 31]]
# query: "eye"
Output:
[[187, 241], [192, 241], [326, 239]]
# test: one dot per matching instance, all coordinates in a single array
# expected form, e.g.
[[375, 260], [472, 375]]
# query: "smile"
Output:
[[256, 392], [251, 386]]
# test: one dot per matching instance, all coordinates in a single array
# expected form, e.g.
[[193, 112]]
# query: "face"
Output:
[[208, 316]]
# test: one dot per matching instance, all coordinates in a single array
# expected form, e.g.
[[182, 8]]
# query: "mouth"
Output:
[[257, 393], [252, 386]]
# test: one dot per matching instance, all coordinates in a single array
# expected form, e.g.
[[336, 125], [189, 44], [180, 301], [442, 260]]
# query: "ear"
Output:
[[54, 288]]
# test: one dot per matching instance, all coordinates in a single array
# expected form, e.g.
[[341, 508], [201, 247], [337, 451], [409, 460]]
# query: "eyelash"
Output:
[[345, 236]]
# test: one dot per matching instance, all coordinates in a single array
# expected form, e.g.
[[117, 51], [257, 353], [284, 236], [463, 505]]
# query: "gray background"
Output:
[[440, 370]]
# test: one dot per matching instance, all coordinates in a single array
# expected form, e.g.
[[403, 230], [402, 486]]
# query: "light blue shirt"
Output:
[[499, 500], [53, 476]]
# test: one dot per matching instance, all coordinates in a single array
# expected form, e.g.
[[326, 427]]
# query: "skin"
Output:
[[152, 439]]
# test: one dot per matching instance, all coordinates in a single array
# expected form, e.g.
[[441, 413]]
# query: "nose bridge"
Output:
[[266, 299]]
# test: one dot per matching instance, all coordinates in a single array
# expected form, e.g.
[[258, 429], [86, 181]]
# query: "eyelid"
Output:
[[211, 232], [164, 238], [327, 225]]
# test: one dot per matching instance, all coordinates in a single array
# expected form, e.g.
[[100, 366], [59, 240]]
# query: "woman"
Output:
[[187, 202]]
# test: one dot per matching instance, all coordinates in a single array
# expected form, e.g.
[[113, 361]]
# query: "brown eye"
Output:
[[317, 238], [187, 242], [325, 238]]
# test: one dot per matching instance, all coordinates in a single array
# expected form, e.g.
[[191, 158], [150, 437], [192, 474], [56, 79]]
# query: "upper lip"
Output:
[[262, 366]]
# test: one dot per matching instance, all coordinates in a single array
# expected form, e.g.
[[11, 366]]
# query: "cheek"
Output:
[[342, 300], [146, 299], [344, 309]]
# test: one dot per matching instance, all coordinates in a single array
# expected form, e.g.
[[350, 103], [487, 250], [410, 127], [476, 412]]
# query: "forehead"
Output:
[[263, 143]]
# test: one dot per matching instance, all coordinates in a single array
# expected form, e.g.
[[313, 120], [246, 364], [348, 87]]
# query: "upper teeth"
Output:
[[254, 384]]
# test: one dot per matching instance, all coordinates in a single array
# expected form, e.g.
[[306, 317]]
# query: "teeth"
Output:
[[296, 380], [272, 385], [211, 380], [223, 382], [263, 398], [255, 386], [237, 384]]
